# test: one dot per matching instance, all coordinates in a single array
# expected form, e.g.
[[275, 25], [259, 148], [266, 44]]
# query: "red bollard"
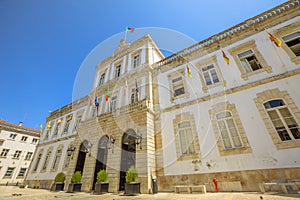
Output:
[[216, 184]]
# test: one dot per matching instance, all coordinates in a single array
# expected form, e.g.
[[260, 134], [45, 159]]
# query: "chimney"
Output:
[[20, 123]]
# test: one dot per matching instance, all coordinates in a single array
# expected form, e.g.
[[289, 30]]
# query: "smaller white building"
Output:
[[17, 147]]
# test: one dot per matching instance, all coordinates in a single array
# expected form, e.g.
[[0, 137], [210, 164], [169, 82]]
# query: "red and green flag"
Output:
[[107, 94], [128, 29]]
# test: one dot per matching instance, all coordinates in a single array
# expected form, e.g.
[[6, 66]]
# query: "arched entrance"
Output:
[[81, 156], [101, 159], [128, 155]]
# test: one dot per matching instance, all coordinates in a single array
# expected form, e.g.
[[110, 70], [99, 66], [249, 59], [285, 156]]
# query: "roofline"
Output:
[[18, 128], [245, 25]]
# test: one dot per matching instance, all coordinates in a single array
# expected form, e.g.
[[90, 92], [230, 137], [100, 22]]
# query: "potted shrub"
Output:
[[101, 185], [75, 185], [59, 180], [132, 187]]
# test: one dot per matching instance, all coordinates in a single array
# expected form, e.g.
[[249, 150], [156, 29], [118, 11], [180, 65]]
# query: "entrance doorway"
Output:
[[128, 155], [81, 157], [101, 159]]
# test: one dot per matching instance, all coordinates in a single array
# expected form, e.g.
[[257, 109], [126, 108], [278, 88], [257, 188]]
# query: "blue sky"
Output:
[[43, 43]]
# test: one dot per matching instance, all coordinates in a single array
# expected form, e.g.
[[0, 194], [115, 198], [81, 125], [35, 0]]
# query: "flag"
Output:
[[226, 59], [274, 39], [96, 101], [188, 71], [41, 127], [49, 126], [125, 88], [128, 29], [107, 95]]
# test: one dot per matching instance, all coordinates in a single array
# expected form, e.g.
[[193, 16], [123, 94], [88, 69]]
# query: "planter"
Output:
[[74, 187], [132, 188], [59, 186], [101, 188]]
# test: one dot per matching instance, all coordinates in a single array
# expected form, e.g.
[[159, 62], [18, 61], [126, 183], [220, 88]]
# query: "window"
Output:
[[4, 152], [134, 95], [69, 118], [46, 160], [101, 80], [282, 120], [113, 103], [24, 138], [17, 154], [210, 75], [117, 71], [228, 130], [136, 61], [68, 159], [78, 120], [34, 140], [12, 136], [49, 126], [38, 161], [22, 172], [186, 138], [9, 172], [56, 159], [293, 42], [28, 155], [1, 142], [58, 123], [249, 61], [281, 115], [178, 86]]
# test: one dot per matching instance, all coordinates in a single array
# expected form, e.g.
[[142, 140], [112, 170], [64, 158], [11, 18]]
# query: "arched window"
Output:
[[186, 139], [47, 160], [38, 161], [229, 133], [282, 119]]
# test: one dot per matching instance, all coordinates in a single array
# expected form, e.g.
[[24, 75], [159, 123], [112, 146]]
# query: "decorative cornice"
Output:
[[245, 26]]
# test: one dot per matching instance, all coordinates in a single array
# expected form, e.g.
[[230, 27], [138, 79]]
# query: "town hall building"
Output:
[[225, 108]]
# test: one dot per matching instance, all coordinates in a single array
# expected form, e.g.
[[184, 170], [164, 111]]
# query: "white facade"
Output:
[[17, 148]]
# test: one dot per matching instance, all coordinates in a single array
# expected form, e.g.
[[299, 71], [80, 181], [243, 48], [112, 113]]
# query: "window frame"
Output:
[[186, 136], [273, 94], [24, 172], [283, 32], [175, 75], [11, 173], [250, 45], [227, 106], [205, 63], [224, 120], [117, 72], [4, 152], [182, 118]]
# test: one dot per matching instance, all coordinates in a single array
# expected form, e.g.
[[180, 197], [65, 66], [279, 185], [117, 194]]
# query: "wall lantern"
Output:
[[70, 151], [111, 143]]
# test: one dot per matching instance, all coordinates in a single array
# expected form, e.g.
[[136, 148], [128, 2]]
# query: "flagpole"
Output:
[[125, 34]]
